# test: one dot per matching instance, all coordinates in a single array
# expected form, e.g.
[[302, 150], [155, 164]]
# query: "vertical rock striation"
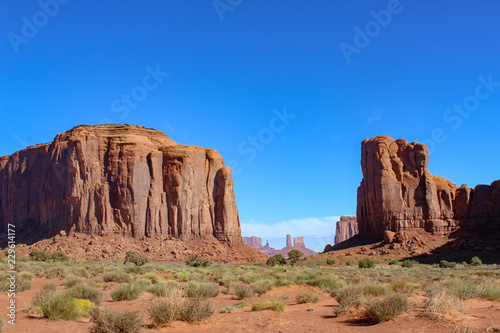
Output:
[[346, 227], [118, 179], [398, 193]]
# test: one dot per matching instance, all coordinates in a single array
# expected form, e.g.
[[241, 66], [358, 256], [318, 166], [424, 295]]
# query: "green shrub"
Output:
[[268, 305], [475, 261], [194, 261], [491, 292], [407, 264], [2, 325], [228, 309], [330, 285], [166, 310], [307, 298], [195, 311], [112, 320], [446, 264], [366, 263], [72, 281], [348, 298], [84, 306], [393, 262], [23, 281], [55, 306], [137, 259], [37, 255], [116, 276], [277, 259], [242, 291], [59, 256], [372, 289], [330, 261], [202, 290], [385, 309], [160, 289], [81, 291], [55, 272], [262, 286], [128, 291], [405, 286], [295, 255]]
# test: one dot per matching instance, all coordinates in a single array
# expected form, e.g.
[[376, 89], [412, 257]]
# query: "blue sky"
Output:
[[218, 75]]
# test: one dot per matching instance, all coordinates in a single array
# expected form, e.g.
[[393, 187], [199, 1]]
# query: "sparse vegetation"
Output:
[[475, 261], [128, 291], [384, 309], [295, 255], [446, 264], [407, 264], [330, 261], [59, 256], [137, 259], [366, 263], [37, 255], [242, 291], [165, 310], [197, 310], [195, 261], [277, 259], [112, 320], [268, 305], [307, 298]]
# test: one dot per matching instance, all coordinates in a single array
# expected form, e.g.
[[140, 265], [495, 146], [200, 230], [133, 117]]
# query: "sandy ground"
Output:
[[480, 315]]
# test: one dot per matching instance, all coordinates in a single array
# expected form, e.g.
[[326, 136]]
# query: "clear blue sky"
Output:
[[232, 68]]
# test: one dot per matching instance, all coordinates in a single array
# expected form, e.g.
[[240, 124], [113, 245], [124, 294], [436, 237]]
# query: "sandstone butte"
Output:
[[397, 193], [298, 244], [346, 228], [125, 180]]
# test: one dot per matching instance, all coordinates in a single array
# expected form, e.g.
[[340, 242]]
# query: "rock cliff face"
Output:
[[398, 193], [346, 228], [253, 241], [117, 179]]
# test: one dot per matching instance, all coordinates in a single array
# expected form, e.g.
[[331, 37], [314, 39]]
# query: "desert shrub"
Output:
[[393, 262], [153, 277], [37, 255], [112, 320], [384, 309], [81, 291], [51, 286], [23, 281], [55, 306], [182, 276], [295, 255], [173, 283], [71, 281], [268, 305], [277, 259], [59, 256], [228, 309], [55, 272], [330, 285], [348, 298], [194, 261], [330, 261], [128, 291], [366, 263], [195, 311], [242, 291], [82, 272], [164, 311], [261, 287], [446, 264], [443, 303], [491, 292], [159, 289], [202, 290], [407, 264], [2, 325], [116, 276], [468, 289], [307, 298], [475, 261], [405, 286], [372, 289], [84, 306]]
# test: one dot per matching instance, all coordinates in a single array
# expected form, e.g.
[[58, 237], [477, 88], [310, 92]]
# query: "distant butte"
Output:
[[298, 244]]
